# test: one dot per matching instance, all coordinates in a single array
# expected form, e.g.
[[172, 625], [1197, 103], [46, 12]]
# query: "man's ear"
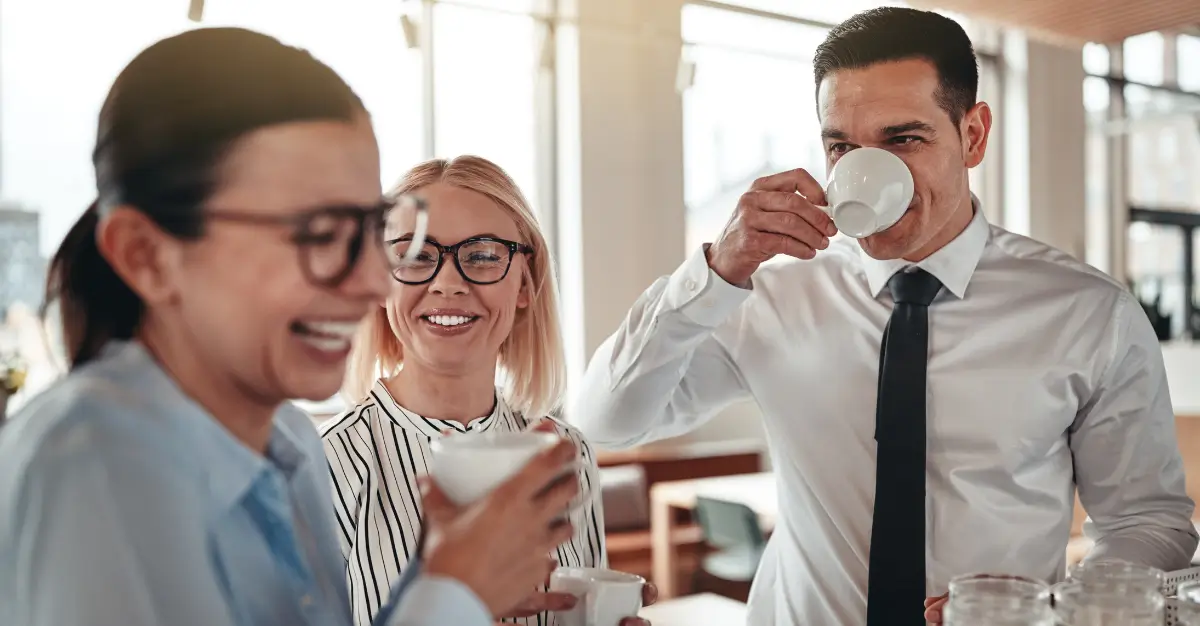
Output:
[[976, 126], [145, 256]]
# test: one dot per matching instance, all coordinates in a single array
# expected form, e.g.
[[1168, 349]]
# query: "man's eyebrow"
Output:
[[906, 127], [833, 133]]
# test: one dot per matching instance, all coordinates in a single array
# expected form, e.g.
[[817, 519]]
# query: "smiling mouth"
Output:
[[325, 335], [449, 321]]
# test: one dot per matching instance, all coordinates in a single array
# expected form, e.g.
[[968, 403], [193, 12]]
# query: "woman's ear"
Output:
[[141, 253], [525, 294]]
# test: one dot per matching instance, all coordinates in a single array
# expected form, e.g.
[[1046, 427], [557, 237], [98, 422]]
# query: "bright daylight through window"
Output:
[[47, 125]]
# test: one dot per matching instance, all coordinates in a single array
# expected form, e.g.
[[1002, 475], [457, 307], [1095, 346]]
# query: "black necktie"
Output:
[[896, 578]]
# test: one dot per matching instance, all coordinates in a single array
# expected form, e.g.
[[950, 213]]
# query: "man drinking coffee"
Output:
[[934, 393]]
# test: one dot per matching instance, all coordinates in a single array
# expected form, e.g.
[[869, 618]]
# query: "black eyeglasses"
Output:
[[480, 260], [331, 240]]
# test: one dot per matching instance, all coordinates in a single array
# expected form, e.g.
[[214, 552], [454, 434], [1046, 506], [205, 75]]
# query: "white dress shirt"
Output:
[[1044, 376], [377, 450]]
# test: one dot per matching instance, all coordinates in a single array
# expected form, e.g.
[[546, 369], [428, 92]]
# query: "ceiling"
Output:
[[1075, 22]]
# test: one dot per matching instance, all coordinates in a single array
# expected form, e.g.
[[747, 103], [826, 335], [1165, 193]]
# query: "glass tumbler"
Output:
[[1079, 603], [998, 600], [1118, 575]]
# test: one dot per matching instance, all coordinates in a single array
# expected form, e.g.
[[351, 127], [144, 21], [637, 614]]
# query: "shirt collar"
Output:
[[953, 264], [229, 466], [433, 427]]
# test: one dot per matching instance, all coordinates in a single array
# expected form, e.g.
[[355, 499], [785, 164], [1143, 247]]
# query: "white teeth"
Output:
[[338, 330], [327, 344], [448, 320]]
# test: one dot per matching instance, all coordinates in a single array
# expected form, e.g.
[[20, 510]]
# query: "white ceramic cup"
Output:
[[605, 596], [869, 191], [468, 466]]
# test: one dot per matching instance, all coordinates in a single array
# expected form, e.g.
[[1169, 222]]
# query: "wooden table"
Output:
[[699, 610], [756, 491]]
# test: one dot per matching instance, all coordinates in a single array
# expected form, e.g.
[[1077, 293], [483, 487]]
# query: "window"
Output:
[[1095, 59], [55, 72], [1097, 209], [1164, 148], [364, 43], [1151, 126], [1143, 58], [1155, 262], [1187, 49], [485, 102], [730, 139], [826, 12]]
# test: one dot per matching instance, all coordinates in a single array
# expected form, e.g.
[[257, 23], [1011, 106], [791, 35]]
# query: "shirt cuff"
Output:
[[437, 601], [702, 296]]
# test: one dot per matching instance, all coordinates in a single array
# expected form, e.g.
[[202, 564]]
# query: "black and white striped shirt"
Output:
[[376, 451]]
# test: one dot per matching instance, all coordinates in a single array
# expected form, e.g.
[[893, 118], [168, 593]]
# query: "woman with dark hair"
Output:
[[236, 243]]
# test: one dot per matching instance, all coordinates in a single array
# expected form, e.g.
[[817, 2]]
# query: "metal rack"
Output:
[[1170, 583]]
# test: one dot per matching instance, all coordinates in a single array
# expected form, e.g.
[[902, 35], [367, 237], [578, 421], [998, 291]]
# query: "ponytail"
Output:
[[95, 305]]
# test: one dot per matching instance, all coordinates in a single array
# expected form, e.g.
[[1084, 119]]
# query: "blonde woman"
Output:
[[468, 341]]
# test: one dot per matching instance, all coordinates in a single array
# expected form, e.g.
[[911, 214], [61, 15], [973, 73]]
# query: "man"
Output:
[[1012, 374]]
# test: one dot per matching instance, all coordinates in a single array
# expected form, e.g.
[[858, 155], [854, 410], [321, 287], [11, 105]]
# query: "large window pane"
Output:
[[1144, 55], [828, 12], [730, 139], [1164, 148], [485, 71], [507, 6], [57, 61], [1096, 59], [1098, 218], [985, 36], [1155, 262], [363, 42], [1188, 51]]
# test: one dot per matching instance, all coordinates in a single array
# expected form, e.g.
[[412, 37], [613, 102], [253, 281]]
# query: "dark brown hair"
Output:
[[897, 34], [169, 120]]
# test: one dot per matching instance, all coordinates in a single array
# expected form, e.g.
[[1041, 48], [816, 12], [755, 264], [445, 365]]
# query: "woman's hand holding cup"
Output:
[[498, 545]]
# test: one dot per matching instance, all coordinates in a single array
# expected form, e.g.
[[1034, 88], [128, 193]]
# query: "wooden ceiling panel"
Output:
[[1079, 21]]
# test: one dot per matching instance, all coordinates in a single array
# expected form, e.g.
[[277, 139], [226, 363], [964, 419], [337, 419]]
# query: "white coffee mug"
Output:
[[869, 191], [468, 466], [605, 596]]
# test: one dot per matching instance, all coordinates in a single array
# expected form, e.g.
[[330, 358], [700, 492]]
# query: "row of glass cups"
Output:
[[1096, 593]]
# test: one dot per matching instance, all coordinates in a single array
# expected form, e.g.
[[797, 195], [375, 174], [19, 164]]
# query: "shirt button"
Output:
[[306, 600], [690, 285]]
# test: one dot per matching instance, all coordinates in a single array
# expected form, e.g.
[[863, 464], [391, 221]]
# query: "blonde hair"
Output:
[[531, 363]]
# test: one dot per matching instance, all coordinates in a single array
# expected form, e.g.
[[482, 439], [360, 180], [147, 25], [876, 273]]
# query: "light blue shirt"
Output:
[[124, 503]]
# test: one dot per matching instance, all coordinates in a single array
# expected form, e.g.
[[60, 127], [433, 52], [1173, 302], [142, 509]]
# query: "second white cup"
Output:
[[605, 596]]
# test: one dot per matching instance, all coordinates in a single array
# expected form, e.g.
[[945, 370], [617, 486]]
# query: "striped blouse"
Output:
[[376, 451]]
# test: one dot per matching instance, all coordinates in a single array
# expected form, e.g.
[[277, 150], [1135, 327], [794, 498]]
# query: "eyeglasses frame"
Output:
[[514, 248], [365, 220]]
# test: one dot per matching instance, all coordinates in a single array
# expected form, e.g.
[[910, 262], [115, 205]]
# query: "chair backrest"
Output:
[[729, 524]]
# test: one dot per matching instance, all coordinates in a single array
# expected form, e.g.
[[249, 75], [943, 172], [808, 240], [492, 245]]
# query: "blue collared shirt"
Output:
[[124, 503]]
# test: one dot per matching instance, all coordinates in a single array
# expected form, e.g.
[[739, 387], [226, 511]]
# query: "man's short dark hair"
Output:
[[897, 34]]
